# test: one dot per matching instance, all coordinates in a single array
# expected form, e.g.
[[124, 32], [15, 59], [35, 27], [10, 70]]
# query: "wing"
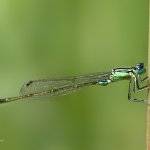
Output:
[[61, 86]]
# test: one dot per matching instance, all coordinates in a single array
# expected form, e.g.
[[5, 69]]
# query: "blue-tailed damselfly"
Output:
[[62, 86]]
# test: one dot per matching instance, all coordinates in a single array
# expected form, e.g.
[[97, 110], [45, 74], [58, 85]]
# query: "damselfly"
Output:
[[62, 86]]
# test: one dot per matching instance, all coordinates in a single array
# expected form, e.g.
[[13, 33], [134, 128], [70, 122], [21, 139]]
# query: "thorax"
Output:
[[121, 74]]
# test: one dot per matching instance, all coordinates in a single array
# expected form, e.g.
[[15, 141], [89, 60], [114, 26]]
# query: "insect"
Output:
[[62, 86]]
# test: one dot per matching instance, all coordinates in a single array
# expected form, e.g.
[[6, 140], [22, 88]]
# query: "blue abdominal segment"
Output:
[[104, 82]]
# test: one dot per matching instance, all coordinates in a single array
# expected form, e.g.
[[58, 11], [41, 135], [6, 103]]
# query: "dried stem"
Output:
[[148, 106]]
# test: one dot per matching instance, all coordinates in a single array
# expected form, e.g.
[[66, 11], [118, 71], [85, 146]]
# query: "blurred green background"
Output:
[[55, 38]]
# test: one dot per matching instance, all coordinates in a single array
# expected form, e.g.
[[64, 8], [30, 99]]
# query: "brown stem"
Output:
[[148, 106]]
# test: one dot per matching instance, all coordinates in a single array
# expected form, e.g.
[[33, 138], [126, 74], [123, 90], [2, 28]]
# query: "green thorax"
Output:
[[121, 74]]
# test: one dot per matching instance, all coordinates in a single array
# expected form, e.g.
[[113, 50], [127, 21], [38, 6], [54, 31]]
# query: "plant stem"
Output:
[[148, 106]]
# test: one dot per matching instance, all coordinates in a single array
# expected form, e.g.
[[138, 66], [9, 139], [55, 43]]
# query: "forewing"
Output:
[[61, 86]]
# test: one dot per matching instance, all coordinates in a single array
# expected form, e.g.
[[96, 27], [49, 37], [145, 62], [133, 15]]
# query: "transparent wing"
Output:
[[61, 86]]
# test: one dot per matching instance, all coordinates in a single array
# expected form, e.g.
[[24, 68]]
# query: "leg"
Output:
[[135, 85], [142, 80], [129, 92]]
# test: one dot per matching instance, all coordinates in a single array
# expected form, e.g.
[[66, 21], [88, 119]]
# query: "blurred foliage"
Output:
[[40, 39]]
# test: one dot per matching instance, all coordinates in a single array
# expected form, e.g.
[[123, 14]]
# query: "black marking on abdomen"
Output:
[[29, 83]]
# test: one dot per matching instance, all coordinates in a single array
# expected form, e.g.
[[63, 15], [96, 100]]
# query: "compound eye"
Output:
[[140, 66]]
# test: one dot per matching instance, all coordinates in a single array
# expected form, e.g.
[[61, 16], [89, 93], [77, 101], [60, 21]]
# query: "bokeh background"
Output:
[[56, 38]]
